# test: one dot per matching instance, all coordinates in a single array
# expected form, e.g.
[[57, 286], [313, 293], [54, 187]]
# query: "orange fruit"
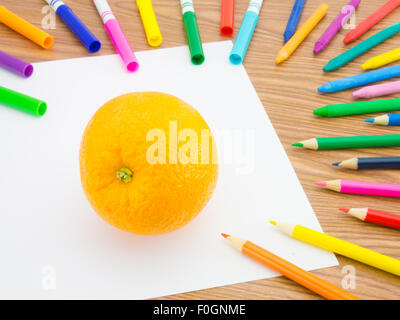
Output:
[[148, 163]]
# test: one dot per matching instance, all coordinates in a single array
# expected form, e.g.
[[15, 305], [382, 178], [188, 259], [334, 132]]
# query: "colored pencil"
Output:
[[65, 13], [370, 163], [382, 60], [150, 24], [390, 140], [362, 187], [347, 109], [302, 33], [378, 90], [373, 19], [360, 79], [293, 19], [227, 17], [335, 26], [243, 38], [362, 47], [289, 270], [26, 29], [341, 247], [374, 216], [386, 120], [117, 36]]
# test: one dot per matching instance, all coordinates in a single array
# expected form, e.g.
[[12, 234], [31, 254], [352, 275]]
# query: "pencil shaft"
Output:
[[295, 273], [347, 249], [383, 218], [379, 163], [362, 47], [359, 142]]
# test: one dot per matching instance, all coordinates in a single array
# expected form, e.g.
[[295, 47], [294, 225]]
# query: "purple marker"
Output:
[[335, 26], [22, 68]]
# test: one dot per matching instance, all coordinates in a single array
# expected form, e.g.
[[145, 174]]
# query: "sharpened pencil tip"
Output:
[[370, 120], [273, 222], [321, 183], [344, 210], [298, 144], [336, 163], [225, 235]]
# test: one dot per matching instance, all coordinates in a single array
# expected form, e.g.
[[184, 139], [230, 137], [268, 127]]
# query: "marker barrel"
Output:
[[26, 29], [151, 28], [13, 64], [227, 17], [193, 37], [22, 102]]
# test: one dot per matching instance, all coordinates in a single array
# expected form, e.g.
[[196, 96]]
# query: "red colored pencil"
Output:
[[374, 216], [372, 20]]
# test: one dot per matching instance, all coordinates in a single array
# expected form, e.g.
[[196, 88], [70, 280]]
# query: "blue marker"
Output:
[[293, 20], [392, 119], [77, 27], [360, 79], [246, 30]]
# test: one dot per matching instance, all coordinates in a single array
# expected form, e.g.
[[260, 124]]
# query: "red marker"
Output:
[[372, 20], [227, 17], [374, 216]]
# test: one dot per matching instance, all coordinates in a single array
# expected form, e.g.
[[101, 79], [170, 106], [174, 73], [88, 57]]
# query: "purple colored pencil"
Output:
[[13, 64], [335, 26], [378, 90]]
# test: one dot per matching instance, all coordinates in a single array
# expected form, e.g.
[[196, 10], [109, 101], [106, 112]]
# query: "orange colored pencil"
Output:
[[289, 270]]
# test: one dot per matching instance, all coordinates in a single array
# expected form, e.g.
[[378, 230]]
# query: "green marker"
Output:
[[348, 109], [22, 102], [361, 48], [192, 32], [390, 140]]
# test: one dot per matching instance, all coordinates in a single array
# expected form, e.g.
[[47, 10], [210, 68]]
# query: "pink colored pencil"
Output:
[[362, 187], [378, 90], [117, 36], [335, 26]]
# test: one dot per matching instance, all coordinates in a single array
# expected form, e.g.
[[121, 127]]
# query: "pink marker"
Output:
[[117, 36], [378, 90], [362, 187]]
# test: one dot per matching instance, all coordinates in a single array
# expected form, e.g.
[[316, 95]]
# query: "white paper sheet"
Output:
[[53, 245]]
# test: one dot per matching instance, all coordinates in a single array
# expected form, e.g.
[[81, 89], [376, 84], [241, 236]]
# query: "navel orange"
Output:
[[148, 163]]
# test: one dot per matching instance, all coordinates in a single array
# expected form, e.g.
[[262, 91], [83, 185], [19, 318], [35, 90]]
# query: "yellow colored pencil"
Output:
[[382, 60], [302, 33], [341, 247]]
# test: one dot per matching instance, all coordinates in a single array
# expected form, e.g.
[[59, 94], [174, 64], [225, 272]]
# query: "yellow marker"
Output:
[[150, 24], [302, 33], [26, 29], [341, 247], [382, 60]]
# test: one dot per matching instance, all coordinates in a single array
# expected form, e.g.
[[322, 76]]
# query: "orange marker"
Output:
[[26, 29], [289, 270]]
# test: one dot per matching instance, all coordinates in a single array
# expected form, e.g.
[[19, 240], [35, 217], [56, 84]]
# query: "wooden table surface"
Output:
[[289, 94]]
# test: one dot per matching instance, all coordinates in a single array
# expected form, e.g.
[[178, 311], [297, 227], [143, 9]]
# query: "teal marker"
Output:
[[192, 32], [361, 48], [246, 31]]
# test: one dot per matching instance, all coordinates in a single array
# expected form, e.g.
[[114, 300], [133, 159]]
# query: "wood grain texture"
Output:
[[289, 94]]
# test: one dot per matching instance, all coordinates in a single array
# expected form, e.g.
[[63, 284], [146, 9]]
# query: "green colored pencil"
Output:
[[348, 109], [390, 140], [361, 48]]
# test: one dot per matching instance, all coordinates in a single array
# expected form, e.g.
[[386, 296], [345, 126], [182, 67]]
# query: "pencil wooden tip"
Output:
[[344, 210], [321, 183], [273, 222], [225, 235]]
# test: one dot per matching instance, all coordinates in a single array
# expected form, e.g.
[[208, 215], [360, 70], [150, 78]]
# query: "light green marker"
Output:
[[22, 102]]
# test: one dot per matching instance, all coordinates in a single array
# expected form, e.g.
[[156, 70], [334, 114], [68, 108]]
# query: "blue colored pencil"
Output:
[[293, 20], [360, 79], [391, 119]]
